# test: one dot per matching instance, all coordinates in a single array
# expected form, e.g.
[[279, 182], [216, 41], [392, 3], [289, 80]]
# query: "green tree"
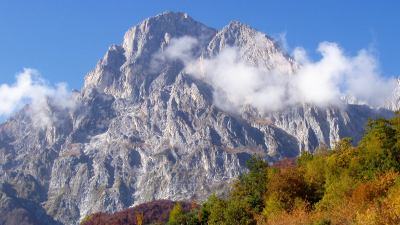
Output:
[[378, 150], [176, 214], [304, 158], [251, 186], [214, 211], [239, 213]]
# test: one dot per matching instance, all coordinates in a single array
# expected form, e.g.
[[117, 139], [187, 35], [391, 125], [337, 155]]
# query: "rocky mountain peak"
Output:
[[155, 31], [238, 30], [142, 133], [127, 70], [253, 46]]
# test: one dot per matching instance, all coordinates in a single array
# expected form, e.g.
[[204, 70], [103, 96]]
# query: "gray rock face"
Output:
[[393, 103], [141, 134]]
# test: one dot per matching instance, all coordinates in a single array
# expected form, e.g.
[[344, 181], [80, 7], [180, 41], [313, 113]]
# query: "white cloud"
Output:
[[282, 41], [336, 74], [30, 88], [321, 82], [177, 49], [180, 48]]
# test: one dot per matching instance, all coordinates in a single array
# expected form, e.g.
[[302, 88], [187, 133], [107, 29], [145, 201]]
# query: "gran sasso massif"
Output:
[[145, 129]]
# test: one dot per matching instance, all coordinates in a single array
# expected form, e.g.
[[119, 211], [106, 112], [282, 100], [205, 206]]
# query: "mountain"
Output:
[[393, 103], [139, 133]]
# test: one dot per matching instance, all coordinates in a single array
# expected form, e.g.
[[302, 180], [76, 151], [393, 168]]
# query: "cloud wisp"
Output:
[[177, 49], [30, 88], [322, 82]]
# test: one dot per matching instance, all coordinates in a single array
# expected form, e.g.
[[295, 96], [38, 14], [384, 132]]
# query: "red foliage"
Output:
[[153, 212], [285, 163]]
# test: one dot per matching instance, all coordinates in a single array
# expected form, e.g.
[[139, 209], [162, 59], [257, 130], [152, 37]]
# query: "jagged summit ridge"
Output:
[[140, 44], [161, 26], [255, 47], [142, 134]]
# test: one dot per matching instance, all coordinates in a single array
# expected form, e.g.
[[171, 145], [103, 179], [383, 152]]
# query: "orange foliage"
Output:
[[367, 192]]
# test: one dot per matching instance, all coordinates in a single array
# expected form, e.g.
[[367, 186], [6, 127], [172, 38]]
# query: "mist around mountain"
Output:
[[174, 112]]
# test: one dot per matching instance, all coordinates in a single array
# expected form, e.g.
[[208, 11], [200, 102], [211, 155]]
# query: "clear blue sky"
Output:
[[65, 39]]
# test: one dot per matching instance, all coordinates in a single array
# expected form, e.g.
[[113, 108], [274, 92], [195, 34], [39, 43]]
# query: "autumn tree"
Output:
[[139, 216], [175, 214]]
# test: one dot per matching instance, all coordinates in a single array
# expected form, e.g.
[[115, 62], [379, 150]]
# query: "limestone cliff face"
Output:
[[141, 134]]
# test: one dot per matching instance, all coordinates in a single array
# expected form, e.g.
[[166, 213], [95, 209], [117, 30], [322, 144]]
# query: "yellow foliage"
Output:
[[139, 218]]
